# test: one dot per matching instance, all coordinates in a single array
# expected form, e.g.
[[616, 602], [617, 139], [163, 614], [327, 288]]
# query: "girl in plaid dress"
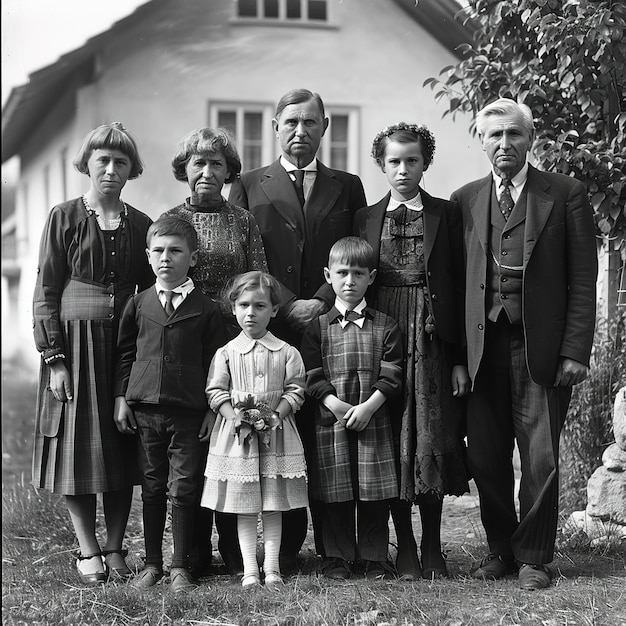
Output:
[[91, 259], [249, 472]]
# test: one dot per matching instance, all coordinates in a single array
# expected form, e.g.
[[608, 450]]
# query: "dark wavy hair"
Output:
[[111, 136], [206, 141], [404, 133]]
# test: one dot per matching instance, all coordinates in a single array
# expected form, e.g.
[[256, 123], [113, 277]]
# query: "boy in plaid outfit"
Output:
[[353, 359]]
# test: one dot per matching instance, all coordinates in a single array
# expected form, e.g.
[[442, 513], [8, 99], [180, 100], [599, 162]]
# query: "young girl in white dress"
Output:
[[245, 474]]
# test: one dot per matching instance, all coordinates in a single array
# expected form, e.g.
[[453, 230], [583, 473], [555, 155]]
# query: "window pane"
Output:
[[271, 8], [339, 128], [251, 157], [252, 123], [317, 10], [294, 9], [247, 8], [228, 120], [339, 158]]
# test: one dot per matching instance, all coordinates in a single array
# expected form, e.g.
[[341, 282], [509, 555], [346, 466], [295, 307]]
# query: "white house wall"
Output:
[[160, 77]]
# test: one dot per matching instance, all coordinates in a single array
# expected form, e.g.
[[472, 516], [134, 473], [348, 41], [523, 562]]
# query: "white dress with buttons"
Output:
[[250, 478]]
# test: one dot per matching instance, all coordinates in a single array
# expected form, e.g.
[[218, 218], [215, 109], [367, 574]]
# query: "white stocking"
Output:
[[272, 529], [246, 527]]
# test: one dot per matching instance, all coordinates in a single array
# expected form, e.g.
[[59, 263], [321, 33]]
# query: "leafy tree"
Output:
[[566, 59]]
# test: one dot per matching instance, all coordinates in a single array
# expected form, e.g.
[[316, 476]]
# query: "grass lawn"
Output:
[[40, 586]]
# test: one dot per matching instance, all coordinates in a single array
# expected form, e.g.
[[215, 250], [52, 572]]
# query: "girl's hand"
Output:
[[204, 434], [124, 417], [60, 381], [358, 417], [460, 381]]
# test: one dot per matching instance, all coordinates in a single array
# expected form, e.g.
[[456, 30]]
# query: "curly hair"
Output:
[[206, 141], [404, 133]]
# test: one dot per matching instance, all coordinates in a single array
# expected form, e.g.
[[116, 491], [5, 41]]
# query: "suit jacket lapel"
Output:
[[538, 208], [479, 208], [372, 228], [432, 218], [322, 199], [279, 189]]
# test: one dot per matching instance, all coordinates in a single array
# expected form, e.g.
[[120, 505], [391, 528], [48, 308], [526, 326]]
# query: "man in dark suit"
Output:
[[531, 270], [302, 208]]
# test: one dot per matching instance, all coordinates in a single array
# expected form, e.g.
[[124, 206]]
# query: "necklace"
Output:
[[104, 223]]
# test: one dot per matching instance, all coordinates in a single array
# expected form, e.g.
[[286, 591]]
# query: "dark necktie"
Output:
[[168, 306], [506, 200], [352, 316], [299, 185]]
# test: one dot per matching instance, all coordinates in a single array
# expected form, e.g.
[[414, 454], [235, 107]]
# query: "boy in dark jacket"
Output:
[[167, 338]]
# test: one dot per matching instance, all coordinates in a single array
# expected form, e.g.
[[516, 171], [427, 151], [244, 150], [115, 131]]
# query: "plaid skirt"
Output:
[[77, 447]]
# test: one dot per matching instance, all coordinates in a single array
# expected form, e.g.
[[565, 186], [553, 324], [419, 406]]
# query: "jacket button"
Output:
[[289, 269], [482, 285], [504, 252], [480, 326], [434, 296], [504, 296], [166, 358], [504, 279]]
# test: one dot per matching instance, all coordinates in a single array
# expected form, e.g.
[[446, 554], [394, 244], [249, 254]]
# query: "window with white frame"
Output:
[[313, 11], [251, 127]]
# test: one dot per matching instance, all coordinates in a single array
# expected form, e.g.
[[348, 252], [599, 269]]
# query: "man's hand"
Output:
[[460, 381], [570, 372], [301, 312]]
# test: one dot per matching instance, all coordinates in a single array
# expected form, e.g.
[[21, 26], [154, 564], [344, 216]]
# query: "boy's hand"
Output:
[[124, 417], [460, 381], [337, 407], [359, 416], [204, 434], [60, 381]]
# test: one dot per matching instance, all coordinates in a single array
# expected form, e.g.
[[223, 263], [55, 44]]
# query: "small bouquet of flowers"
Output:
[[253, 418]]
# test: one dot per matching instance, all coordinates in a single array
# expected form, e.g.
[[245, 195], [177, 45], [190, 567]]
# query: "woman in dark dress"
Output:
[[91, 259], [420, 284]]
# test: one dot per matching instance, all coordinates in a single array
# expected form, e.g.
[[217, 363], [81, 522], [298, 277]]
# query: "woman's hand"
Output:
[[124, 417], [60, 381]]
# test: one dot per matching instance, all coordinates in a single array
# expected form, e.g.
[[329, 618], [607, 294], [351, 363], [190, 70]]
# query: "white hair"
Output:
[[505, 106]]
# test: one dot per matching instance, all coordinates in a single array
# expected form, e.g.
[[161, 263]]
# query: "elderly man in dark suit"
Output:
[[302, 208], [531, 270]]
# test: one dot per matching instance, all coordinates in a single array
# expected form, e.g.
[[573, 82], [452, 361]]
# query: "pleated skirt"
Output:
[[77, 447]]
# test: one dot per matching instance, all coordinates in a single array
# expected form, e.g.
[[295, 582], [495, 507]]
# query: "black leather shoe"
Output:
[[379, 570], [93, 578], [336, 569], [234, 564], [533, 577], [288, 564], [493, 567]]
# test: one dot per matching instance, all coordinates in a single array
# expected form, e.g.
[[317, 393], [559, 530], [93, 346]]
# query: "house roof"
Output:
[[28, 103]]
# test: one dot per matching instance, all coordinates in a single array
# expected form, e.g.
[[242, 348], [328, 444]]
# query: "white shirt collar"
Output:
[[342, 308], [243, 344], [518, 181], [290, 167], [415, 203], [183, 290]]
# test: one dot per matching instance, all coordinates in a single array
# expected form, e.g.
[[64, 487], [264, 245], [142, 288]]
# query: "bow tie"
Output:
[[352, 316]]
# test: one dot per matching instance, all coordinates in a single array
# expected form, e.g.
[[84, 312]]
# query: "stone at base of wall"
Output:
[[606, 495]]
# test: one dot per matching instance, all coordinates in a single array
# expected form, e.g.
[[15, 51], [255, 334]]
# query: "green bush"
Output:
[[589, 426]]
